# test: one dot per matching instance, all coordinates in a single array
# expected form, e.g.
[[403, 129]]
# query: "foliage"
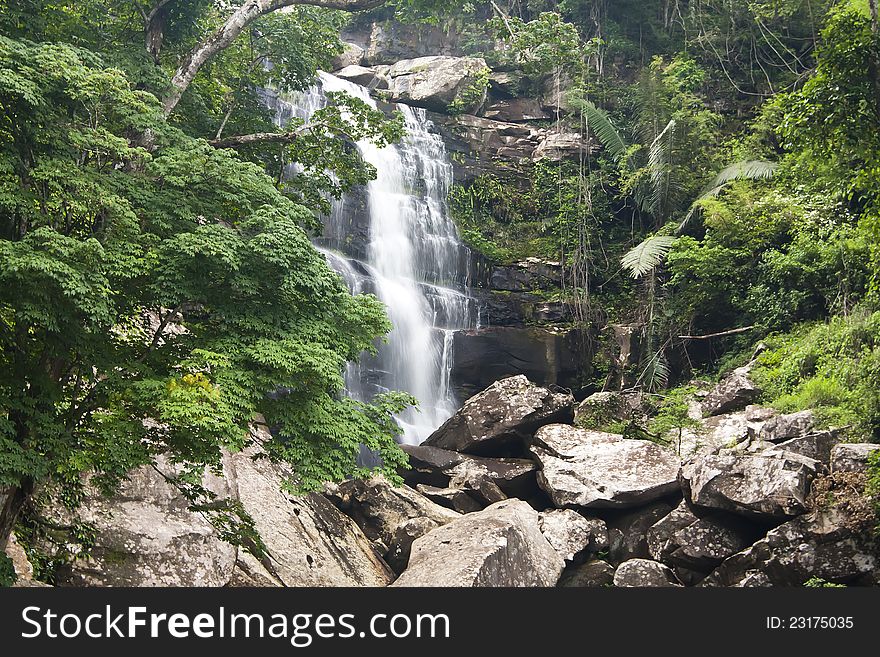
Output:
[[832, 367], [156, 293], [672, 414], [819, 583], [7, 571], [647, 255]]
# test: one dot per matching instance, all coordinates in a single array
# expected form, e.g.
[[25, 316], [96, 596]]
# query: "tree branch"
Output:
[[716, 335], [219, 40]]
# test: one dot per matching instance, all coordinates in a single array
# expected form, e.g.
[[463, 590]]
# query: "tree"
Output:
[[232, 27], [157, 293]]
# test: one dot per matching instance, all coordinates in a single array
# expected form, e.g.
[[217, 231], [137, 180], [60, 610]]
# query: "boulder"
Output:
[[628, 534], [765, 485], [447, 469], [499, 546], [682, 540], [815, 545], [437, 82], [817, 445], [592, 573], [310, 542], [590, 469], [644, 573], [352, 55], [715, 433], [570, 533], [601, 409], [146, 534], [379, 508], [735, 392], [21, 565], [852, 457], [365, 77], [504, 415], [451, 498], [405, 535], [785, 427]]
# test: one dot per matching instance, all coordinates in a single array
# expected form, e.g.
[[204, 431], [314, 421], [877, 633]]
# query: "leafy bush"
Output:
[[833, 368]]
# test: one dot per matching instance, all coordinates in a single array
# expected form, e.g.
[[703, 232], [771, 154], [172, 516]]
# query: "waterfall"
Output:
[[412, 261]]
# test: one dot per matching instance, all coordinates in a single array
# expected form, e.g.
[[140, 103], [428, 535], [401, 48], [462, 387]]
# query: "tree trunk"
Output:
[[12, 501], [235, 25], [154, 29]]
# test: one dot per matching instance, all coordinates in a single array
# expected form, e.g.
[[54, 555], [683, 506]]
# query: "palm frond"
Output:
[[655, 375], [659, 167], [646, 256], [743, 170], [601, 125]]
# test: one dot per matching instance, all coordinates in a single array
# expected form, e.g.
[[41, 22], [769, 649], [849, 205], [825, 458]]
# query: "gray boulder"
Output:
[[644, 573], [444, 468], [437, 82], [628, 534], [815, 545], [515, 110], [590, 574], [351, 55], [558, 146], [379, 508], [404, 536], [365, 77], [570, 533], [785, 427], [505, 414], [764, 485], [735, 392], [852, 457], [499, 546], [590, 469], [817, 445], [682, 540], [456, 499]]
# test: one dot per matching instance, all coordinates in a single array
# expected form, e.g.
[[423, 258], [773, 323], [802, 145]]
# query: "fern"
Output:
[[647, 255], [599, 121]]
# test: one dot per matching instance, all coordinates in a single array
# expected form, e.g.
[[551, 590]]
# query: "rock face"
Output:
[[310, 541], [644, 573], [546, 356], [504, 415], [499, 546], [147, 536], [769, 485], [735, 392], [437, 82], [814, 545], [852, 457], [515, 110], [591, 469], [530, 274]]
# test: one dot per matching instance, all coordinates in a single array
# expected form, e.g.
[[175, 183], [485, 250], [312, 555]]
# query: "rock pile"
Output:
[[509, 493]]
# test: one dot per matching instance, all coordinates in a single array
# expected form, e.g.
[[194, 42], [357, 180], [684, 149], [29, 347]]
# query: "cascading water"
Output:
[[413, 262]]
